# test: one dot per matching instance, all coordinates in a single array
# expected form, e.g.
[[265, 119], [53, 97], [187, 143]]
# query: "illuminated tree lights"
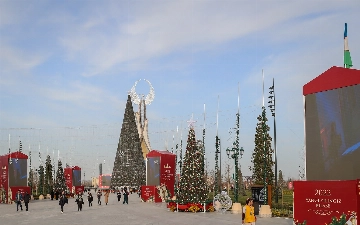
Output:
[[129, 165], [192, 187], [60, 179]]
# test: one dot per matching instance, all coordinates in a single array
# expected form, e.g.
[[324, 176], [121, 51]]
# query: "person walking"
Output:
[[90, 199], [18, 199], [106, 197], [118, 195], [27, 200], [62, 201], [57, 193], [99, 194], [248, 215], [52, 194], [126, 196], [80, 201]]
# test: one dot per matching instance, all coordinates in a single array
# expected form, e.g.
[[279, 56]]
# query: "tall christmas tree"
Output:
[[129, 165], [48, 175], [192, 187], [41, 180], [31, 180], [60, 179], [262, 159]]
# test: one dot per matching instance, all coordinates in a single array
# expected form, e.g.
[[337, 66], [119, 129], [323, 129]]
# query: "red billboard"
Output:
[[22, 191], [79, 189], [318, 202], [3, 178], [148, 192], [104, 181]]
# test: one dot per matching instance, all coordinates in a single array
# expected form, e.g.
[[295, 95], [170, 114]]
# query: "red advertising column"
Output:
[[358, 197], [167, 171], [4, 178], [68, 177]]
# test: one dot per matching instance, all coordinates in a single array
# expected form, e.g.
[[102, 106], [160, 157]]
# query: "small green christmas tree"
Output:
[[31, 180], [192, 187], [41, 180]]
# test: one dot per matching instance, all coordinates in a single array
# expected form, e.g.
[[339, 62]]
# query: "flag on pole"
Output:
[[347, 57]]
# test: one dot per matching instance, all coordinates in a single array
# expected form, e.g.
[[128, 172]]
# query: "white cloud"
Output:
[[156, 30]]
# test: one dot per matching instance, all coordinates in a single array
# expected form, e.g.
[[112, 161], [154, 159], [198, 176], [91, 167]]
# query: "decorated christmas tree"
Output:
[[262, 155], [192, 187], [60, 179], [262, 158], [48, 175], [31, 181], [41, 180]]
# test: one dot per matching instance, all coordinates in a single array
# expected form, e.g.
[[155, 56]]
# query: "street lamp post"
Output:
[[272, 109], [234, 153]]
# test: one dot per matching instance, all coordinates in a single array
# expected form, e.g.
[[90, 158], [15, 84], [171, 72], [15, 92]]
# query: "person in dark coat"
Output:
[[57, 193], [80, 201], [62, 201], [27, 200], [99, 194], [52, 194], [126, 196], [90, 199], [118, 195], [18, 199]]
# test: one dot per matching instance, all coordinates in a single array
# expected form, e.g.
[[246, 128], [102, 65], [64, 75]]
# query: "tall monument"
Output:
[[140, 116]]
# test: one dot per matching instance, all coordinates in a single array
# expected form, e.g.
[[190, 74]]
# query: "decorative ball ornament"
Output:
[[135, 97], [222, 202]]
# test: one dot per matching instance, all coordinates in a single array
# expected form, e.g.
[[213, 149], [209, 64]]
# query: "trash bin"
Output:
[[256, 194]]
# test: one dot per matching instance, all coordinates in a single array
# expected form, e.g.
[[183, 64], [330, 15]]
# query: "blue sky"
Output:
[[66, 68]]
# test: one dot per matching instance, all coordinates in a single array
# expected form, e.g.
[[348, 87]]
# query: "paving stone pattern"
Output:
[[47, 212]]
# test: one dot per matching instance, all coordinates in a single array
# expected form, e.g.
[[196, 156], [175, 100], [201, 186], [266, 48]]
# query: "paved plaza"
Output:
[[47, 212]]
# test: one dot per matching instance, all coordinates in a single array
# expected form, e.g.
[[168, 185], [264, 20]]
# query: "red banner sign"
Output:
[[68, 178], [79, 189], [4, 179], [318, 202], [167, 172], [147, 192]]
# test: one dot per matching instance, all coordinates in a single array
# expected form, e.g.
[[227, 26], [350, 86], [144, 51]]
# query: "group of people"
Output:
[[80, 201], [19, 198], [61, 196]]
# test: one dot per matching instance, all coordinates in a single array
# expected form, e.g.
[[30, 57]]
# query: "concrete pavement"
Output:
[[47, 212]]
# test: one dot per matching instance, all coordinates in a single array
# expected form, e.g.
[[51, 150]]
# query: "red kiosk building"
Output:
[[13, 175], [332, 128], [160, 176], [73, 179]]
